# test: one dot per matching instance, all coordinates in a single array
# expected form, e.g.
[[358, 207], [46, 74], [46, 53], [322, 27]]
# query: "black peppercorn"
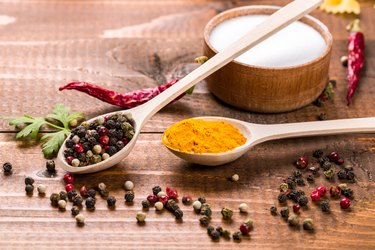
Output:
[[171, 205], [205, 220], [202, 200], [104, 193], [63, 195], [50, 165], [156, 190], [72, 194], [29, 189], [237, 236], [282, 198], [69, 143], [291, 183], [86, 146], [111, 133], [112, 141], [324, 205], [90, 203], [178, 213], [273, 210], [29, 181], [110, 124], [318, 153], [300, 182], [145, 204], [111, 201], [68, 152], [111, 150], [293, 195], [326, 165], [297, 173], [310, 178], [91, 193], [129, 196], [215, 235], [303, 200], [350, 175], [210, 229], [347, 192], [7, 168], [81, 131], [77, 200], [75, 210], [314, 169], [284, 212], [342, 175]]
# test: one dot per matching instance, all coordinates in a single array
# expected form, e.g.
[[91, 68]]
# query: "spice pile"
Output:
[[94, 142], [200, 136], [329, 165]]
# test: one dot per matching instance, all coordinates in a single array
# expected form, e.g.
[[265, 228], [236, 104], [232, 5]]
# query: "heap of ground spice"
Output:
[[200, 136]]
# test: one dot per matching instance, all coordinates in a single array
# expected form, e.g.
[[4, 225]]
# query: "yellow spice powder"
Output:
[[199, 136]]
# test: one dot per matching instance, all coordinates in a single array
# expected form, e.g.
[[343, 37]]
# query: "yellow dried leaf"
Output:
[[341, 6]]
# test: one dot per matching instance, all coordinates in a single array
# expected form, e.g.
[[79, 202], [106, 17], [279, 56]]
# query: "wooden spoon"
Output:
[[141, 114]]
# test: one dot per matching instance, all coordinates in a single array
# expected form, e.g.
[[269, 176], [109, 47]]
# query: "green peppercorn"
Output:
[[145, 204], [284, 212], [293, 220], [90, 203], [308, 224], [329, 174], [347, 192], [75, 210], [129, 196], [63, 195], [237, 236], [273, 210], [249, 223], [206, 210], [227, 213], [324, 205], [111, 201], [29, 189], [226, 234], [77, 200], [284, 187], [205, 220], [29, 181], [54, 198], [178, 214]]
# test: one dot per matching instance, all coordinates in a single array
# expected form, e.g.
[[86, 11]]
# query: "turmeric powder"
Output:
[[200, 136]]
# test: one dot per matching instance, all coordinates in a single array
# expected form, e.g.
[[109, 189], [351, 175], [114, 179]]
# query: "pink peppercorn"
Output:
[[78, 148], [152, 198], [335, 191], [302, 162], [103, 131], [69, 159], [322, 190], [83, 191], [163, 199], [333, 156], [315, 195], [345, 203], [340, 161], [69, 187], [296, 208], [104, 140], [68, 178], [245, 229], [172, 193]]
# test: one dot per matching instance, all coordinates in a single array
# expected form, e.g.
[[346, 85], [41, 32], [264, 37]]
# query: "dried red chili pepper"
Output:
[[356, 57], [126, 100]]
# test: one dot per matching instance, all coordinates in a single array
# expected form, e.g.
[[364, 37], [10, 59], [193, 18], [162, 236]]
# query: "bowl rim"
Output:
[[327, 36]]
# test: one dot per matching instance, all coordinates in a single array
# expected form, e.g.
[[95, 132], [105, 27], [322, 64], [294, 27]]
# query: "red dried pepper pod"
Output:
[[356, 57], [126, 100]]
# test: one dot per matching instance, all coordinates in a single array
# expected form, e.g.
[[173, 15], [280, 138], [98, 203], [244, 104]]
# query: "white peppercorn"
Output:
[[243, 207], [75, 163], [141, 216], [128, 185], [97, 149], [75, 139], [159, 206], [80, 218], [197, 205], [105, 156], [41, 189], [235, 177], [62, 204], [161, 193]]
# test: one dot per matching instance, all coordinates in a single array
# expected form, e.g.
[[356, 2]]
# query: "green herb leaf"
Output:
[[61, 114], [55, 140], [30, 130], [190, 91]]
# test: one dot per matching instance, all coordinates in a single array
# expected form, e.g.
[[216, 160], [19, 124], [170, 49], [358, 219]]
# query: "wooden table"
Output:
[[127, 45]]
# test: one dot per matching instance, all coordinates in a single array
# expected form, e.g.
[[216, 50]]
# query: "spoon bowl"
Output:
[[141, 114], [258, 133]]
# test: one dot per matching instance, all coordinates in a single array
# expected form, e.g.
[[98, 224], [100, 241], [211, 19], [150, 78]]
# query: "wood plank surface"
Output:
[[117, 44]]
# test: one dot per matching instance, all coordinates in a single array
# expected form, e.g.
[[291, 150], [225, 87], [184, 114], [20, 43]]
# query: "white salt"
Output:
[[296, 44]]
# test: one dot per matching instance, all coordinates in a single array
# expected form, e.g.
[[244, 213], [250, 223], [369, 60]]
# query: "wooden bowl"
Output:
[[268, 89]]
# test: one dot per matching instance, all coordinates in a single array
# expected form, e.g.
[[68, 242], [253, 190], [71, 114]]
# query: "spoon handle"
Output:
[[278, 131], [277, 21]]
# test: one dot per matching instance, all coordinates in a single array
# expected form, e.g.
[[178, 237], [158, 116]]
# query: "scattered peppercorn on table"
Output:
[[129, 45]]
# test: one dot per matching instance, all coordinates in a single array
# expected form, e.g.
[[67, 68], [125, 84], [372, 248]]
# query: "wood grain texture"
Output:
[[127, 45]]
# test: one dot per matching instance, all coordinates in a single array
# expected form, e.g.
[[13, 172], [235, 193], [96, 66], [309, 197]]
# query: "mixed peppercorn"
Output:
[[94, 142]]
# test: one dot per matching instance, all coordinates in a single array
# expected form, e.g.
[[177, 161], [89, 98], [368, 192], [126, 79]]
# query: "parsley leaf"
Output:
[[53, 141]]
